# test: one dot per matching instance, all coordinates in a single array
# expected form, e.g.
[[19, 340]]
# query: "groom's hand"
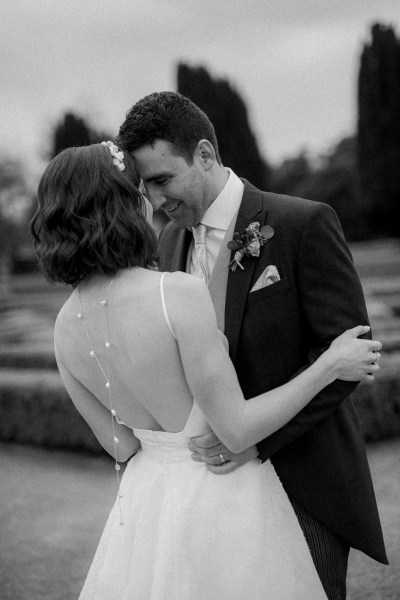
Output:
[[208, 449]]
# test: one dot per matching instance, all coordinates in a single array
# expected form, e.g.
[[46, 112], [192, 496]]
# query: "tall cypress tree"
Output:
[[379, 129], [228, 114], [72, 130]]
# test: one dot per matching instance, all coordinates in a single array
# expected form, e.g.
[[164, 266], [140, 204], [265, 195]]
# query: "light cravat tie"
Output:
[[199, 234]]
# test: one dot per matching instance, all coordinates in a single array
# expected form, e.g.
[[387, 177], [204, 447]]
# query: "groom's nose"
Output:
[[155, 197]]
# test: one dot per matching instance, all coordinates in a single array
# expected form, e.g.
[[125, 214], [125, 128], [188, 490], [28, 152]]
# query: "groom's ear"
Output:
[[205, 153]]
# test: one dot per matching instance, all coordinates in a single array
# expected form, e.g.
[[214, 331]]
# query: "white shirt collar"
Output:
[[220, 213]]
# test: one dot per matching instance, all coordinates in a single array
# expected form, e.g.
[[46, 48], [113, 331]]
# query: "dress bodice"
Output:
[[165, 446]]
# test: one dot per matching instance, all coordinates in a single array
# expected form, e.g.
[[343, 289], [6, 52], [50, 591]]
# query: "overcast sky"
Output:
[[294, 62]]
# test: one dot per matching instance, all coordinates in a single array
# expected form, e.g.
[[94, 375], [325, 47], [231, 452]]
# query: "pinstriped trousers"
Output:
[[329, 552]]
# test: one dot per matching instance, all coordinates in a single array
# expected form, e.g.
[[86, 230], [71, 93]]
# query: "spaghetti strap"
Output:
[[164, 305]]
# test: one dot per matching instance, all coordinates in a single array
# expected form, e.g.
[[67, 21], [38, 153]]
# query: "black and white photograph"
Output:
[[200, 300]]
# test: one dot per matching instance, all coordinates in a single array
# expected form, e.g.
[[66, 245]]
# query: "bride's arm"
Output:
[[212, 378]]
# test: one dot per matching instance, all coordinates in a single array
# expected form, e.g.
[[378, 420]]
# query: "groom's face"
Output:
[[172, 184]]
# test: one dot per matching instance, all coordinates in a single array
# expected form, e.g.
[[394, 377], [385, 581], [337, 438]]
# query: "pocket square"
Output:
[[269, 276]]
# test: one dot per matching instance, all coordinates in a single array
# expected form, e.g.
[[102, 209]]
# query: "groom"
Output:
[[279, 311]]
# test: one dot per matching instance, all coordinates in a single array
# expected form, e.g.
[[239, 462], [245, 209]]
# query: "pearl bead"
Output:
[[116, 440], [103, 302], [117, 467], [120, 494], [79, 315], [108, 385], [91, 354], [107, 344], [114, 414]]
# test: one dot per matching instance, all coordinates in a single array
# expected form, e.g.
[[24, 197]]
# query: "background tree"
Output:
[[291, 175], [72, 130], [335, 182], [379, 129], [227, 111], [14, 205], [331, 179]]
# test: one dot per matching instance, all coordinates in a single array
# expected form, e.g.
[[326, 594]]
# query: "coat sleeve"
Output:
[[332, 301]]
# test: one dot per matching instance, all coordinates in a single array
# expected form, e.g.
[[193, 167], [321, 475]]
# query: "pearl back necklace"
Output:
[[106, 372]]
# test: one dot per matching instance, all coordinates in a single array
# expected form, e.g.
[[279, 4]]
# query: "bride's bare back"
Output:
[[149, 387]]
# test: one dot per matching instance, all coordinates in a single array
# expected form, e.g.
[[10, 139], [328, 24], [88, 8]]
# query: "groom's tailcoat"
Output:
[[276, 331]]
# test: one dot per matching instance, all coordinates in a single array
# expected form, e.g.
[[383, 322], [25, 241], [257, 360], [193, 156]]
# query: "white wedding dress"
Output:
[[191, 535], [187, 533]]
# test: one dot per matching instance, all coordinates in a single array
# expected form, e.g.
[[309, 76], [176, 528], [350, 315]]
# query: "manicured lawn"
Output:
[[53, 506]]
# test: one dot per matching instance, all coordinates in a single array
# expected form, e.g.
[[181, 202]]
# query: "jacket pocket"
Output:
[[269, 291]]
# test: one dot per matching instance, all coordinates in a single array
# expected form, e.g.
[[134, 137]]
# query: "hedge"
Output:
[[26, 356], [36, 409], [378, 404]]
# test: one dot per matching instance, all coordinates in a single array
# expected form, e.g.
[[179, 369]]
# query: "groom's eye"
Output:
[[161, 180]]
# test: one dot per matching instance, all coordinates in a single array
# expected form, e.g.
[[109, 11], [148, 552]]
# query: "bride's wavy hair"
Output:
[[90, 217]]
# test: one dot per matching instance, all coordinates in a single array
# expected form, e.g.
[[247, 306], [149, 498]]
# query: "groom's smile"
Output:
[[170, 208], [173, 184]]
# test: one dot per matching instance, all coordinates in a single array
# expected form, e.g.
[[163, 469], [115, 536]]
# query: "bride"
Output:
[[134, 347]]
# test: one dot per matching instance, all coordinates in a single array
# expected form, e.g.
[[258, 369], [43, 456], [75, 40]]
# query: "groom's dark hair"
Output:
[[167, 116]]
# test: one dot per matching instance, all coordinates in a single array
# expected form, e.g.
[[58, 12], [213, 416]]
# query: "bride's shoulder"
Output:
[[179, 288], [182, 284], [186, 299], [68, 309], [66, 316]]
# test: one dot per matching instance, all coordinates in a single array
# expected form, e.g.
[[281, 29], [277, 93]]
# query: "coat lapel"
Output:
[[239, 281], [219, 278]]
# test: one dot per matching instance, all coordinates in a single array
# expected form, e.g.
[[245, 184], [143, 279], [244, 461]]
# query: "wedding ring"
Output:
[[376, 357], [221, 457]]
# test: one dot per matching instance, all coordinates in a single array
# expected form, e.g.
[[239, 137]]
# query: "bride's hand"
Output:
[[354, 359]]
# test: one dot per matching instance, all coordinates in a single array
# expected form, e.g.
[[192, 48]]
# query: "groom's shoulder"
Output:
[[281, 201], [293, 207]]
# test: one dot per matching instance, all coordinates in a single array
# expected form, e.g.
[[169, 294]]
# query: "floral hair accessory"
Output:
[[249, 243], [118, 155]]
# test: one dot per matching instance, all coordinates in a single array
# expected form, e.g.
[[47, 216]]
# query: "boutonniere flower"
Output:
[[249, 243]]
